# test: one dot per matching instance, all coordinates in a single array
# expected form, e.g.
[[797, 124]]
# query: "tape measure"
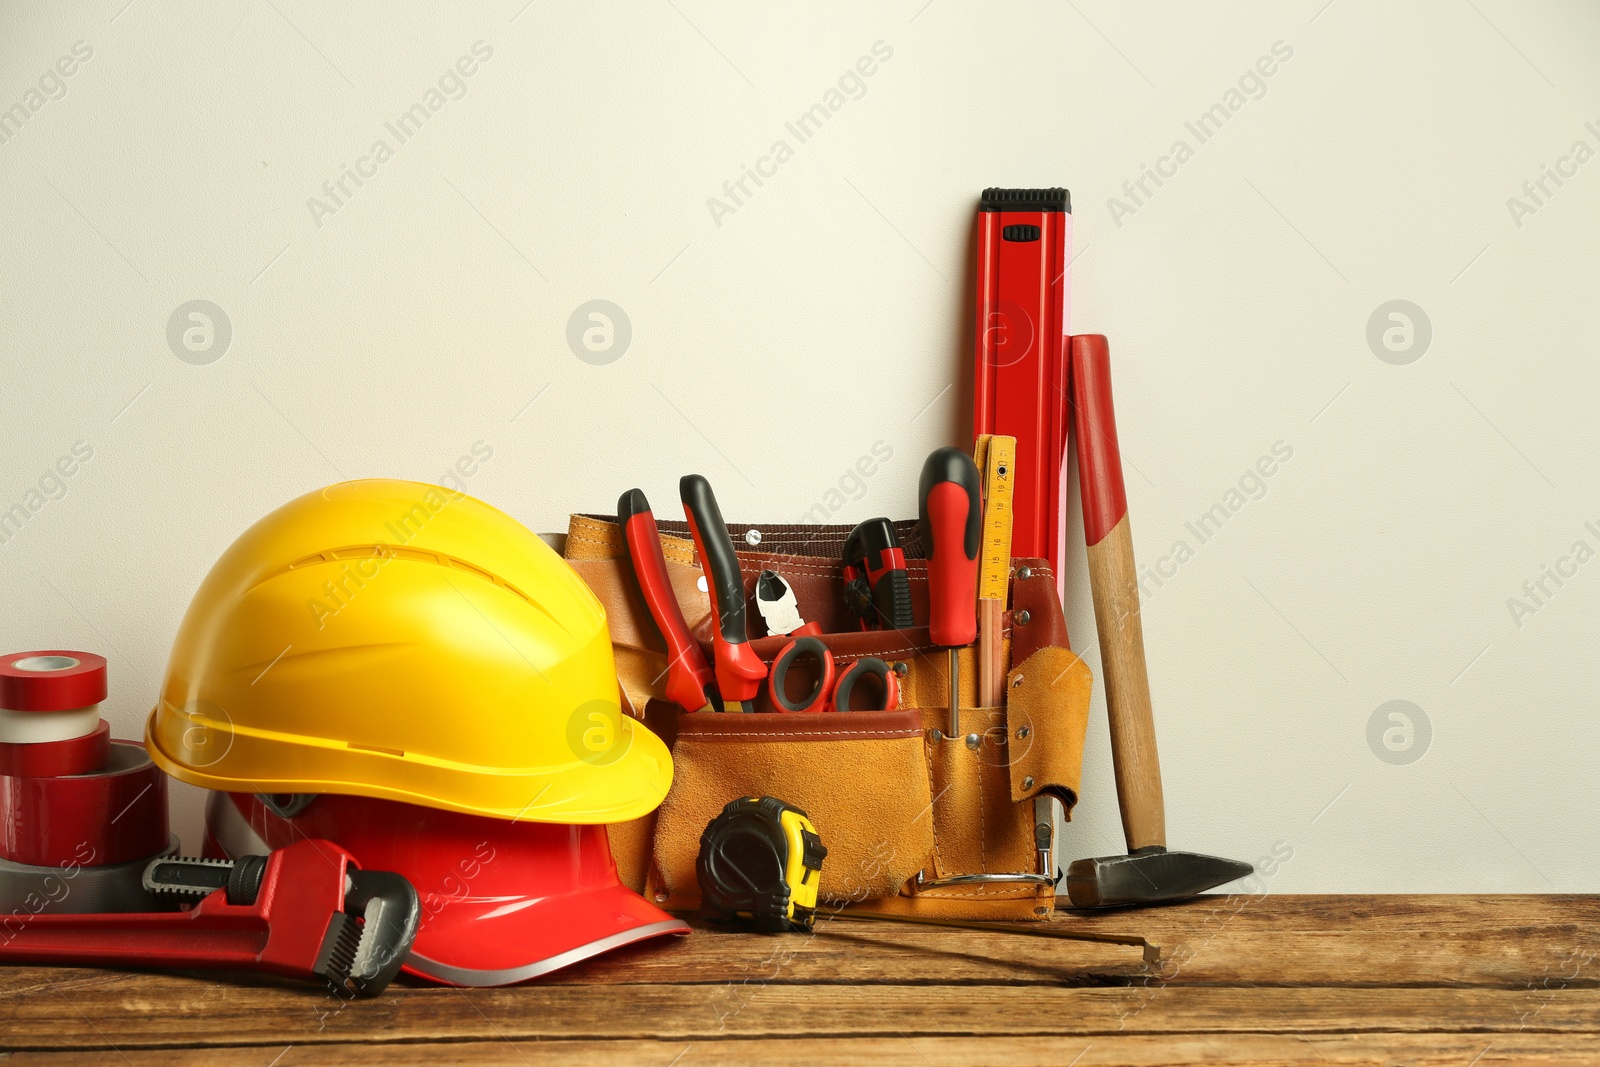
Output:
[[760, 861], [996, 457]]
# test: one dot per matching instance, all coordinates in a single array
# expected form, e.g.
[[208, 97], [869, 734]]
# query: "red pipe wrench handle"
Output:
[[739, 670], [206, 938], [283, 930], [690, 682]]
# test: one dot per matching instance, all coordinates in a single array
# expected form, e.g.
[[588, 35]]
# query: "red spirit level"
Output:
[[1020, 387]]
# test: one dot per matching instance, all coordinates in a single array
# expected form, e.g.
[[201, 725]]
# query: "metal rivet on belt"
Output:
[[1022, 733], [752, 537], [1027, 783], [1020, 618], [973, 740], [900, 667], [1024, 573], [936, 736], [661, 895], [1016, 682]]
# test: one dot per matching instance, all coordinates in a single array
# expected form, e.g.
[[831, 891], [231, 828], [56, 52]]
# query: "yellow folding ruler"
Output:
[[996, 457]]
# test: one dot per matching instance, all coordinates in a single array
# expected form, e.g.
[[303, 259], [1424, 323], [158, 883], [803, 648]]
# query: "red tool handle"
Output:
[[739, 670], [1105, 499], [952, 532], [1114, 585], [821, 692], [884, 684], [690, 683], [194, 940], [282, 931], [830, 692], [872, 555]]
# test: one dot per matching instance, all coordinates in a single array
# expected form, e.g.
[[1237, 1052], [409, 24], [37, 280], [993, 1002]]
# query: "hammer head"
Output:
[[1147, 876]]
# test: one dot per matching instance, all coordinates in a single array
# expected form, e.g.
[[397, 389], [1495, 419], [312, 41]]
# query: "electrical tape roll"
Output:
[[76, 889], [81, 815], [51, 680], [114, 815], [56, 759], [50, 721]]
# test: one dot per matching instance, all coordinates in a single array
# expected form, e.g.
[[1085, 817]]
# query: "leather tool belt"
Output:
[[915, 823]]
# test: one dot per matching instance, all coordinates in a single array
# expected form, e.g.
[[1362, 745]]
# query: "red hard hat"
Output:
[[502, 901]]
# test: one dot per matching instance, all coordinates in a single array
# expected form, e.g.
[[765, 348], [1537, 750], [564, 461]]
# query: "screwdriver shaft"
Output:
[[953, 721]]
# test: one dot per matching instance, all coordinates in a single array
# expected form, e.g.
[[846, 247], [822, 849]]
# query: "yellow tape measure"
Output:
[[996, 457]]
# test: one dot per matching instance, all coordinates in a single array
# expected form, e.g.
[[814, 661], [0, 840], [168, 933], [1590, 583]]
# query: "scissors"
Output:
[[830, 693]]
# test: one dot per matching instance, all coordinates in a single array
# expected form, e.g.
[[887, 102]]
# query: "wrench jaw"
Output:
[[390, 913], [335, 962], [373, 918]]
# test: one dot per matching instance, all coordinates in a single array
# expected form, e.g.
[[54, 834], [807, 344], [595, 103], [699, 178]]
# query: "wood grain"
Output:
[[1259, 980], [991, 653], [1114, 586], [184, 1013], [1254, 1050], [1439, 940]]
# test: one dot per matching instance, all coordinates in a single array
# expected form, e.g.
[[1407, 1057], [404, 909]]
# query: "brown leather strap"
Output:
[[782, 538], [803, 726]]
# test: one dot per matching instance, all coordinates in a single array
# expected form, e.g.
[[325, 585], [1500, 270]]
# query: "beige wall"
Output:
[[774, 341]]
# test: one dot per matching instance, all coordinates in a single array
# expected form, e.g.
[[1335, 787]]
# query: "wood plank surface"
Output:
[[1259, 980], [1249, 1050], [146, 1013], [1442, 940]]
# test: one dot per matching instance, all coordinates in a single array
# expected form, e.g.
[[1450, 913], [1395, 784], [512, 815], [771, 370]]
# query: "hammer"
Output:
[[1148, 874]]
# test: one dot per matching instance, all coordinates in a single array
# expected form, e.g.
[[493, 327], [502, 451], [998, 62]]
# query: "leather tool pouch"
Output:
[[914, 825]]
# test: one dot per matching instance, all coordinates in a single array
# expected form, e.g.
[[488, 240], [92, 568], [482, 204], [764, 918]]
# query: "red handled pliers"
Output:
[[690, 682]]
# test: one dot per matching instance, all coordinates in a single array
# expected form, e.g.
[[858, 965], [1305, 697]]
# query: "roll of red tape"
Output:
[[54, 759], [115, 815], [51, 680]]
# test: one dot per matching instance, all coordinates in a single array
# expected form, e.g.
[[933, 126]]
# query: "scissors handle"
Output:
[[798, 650], [828, 692], [883, 680]]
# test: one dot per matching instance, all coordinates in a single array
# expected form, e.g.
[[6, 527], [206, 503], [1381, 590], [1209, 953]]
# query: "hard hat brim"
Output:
[[624, 782], [525, 901], [550, 934]]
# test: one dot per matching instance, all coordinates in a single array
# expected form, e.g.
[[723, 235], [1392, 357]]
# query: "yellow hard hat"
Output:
[[403, 641]]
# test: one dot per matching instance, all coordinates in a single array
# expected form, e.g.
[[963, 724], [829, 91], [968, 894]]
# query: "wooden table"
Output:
[[1459, 980]]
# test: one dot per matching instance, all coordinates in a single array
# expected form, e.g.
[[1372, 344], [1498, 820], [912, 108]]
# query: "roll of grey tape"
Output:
[[26, 891]]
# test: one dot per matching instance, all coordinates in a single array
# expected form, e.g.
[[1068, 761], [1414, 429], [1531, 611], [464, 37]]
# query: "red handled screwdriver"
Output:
[[951, 514]]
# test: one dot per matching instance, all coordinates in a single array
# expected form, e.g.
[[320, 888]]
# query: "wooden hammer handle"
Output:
[[1114, 583]]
